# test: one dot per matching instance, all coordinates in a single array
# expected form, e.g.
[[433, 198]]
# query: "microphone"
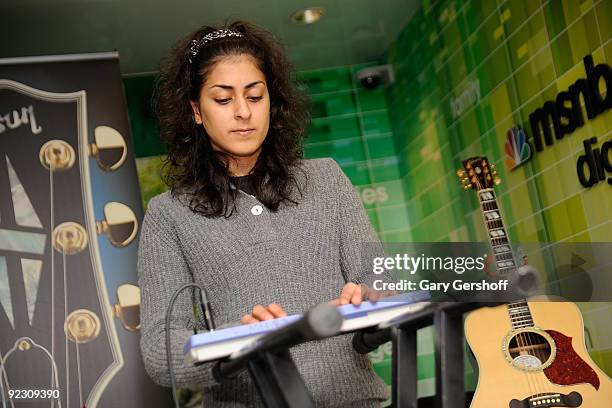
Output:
[[321, 321]]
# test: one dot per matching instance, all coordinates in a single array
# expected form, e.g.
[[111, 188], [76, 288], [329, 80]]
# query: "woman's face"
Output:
[[234, 107]]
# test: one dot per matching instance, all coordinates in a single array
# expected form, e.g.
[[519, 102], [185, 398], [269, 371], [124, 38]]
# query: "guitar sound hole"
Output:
[[529, 350]]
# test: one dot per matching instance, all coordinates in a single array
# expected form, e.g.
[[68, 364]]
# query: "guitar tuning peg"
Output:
[[467, 187], [492, 167], [57, 155], [497, 181], [119, 224], [127, 308], [460, 173], [109, 148]]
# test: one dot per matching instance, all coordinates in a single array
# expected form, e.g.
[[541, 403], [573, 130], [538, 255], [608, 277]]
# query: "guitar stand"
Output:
[[278, 381]]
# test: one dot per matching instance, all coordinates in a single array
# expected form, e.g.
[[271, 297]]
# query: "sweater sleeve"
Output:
[[162, 269], [359, 244]]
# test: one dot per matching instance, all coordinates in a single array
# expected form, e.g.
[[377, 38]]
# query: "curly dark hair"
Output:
[[192, 167]]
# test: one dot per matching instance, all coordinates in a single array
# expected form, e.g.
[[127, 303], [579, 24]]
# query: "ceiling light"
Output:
[[308, 15]]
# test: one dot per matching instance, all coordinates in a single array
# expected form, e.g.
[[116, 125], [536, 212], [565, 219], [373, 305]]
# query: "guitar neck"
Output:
[[519, 312], [496, 232]]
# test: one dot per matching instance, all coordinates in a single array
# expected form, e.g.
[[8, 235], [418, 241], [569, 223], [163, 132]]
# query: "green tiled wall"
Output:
[[351, 124], [517, 54]]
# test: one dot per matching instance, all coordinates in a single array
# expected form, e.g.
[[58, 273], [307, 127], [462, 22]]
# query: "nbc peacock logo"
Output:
[[518, 150]]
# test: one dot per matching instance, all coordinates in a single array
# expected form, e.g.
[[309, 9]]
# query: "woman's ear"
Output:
[[196, 112]]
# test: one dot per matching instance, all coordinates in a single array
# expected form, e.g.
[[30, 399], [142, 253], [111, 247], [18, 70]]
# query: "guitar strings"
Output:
[[51, 227], [3, 376], [525, 340], [66, 334], [540, 354], [488, 206], [531, 350], [78, 357]]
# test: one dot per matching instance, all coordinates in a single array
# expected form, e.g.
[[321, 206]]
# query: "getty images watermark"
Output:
[[415, 264], [472, 271]]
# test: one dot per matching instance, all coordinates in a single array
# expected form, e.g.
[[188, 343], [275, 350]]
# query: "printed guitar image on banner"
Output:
[[65, 324], [531, 352]]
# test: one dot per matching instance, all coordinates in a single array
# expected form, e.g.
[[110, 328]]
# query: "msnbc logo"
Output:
[[518, 150]]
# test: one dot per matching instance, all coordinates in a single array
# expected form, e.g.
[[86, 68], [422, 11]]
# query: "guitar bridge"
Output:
[[548, 400]]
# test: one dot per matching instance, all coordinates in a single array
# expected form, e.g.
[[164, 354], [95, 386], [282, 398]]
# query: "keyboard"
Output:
[[217, 344]]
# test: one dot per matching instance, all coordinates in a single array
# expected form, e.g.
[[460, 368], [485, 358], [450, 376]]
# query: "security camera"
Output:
[[372, 77]]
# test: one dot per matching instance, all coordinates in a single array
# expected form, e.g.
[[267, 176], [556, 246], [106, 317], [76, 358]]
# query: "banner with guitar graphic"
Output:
[[69, 216]]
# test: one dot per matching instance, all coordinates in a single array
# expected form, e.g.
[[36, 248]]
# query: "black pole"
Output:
[[278, 380]]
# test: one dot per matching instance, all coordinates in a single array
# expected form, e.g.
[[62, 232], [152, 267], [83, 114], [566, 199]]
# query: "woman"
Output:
[[265, 232]]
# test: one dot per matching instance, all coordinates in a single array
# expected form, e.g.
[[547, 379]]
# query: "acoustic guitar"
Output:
[[530, 353]]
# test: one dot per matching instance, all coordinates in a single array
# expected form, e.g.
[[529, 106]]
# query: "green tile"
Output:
[[385, 170], [534, 76], [371, 99], [427, 204], [477, 11], [333, 104], [392, 218], [373, 217], [549, 93], [603, 11], [379, 147], [326, 80], [328, 129], [451, 37], [514, 13], [528, 40], [375, 123], [344, 151], [358, 173], [457, 66], [415, 210], [467, 128], [495, 70], [559, 14], [572, 45], [402, 235], [487, 38], [390, 192], [565, 219]]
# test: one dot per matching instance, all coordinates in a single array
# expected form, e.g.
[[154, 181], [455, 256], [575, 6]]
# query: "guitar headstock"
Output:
[[478, 173], [50, 162]]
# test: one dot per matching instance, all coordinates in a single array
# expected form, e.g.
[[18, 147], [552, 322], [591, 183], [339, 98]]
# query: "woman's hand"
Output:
[[260, 313], [354, 294]]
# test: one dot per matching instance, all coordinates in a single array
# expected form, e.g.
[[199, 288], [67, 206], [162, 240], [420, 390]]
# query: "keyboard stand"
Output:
[[270, 364], [278, 380], [447, 321]]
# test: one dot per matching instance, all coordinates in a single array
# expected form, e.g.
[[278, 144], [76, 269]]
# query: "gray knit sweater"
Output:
[[299, 256]]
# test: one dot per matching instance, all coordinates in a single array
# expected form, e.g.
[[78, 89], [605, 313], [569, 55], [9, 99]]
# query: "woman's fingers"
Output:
[[276, 310], [347, 293], [358, 295], [355, 294], [261, 313], [248, 319]]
